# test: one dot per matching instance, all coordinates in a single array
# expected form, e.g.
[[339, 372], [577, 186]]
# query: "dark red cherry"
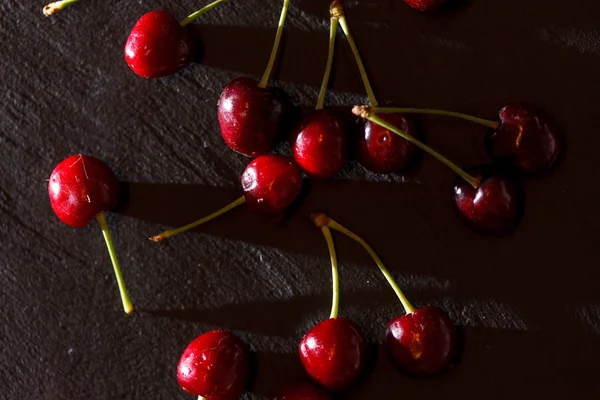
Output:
[[333, 353], [320, 143], [382, 151], [302, 391], [271, 183], [422, 343], [250, 116], [158, 45], [527, 137], [495, 207], [80, 188], [215, 366], [425, 5]]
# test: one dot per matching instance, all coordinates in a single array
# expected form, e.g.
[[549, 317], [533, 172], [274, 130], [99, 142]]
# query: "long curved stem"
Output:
[[55, 7], [337, 9], [267, 74], [127, 305], [323, 91], [481, 121], [365, 112], [199, 222], [335, 280], [201, 11]]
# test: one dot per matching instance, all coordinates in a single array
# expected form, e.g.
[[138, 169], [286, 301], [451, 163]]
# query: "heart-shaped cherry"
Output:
[[251, 114], [524, 136], [271, 183], [425, 5], [82, 188], [159, 45], [56, 6], [495, 207], [333, 352], [215, 366], [320, 142], [301, 391], [422, 342]]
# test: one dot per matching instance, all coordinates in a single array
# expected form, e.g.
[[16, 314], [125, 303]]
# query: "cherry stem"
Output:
[[127, 305], [335, 279], [199, 222], [55, 7], [337, 9], [323, 91], [265, 78], [201, 11], [481, 121], [366, 113]]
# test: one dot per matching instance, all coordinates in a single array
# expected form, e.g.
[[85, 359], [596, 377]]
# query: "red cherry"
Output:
[[80, 188], [382, 151], [302, 391], [271, 183], [526, 136], [422, 343], [158, 45], [251, 116], [425, 5], [333, 353], [320, 143], [494, 207], [215, 366]]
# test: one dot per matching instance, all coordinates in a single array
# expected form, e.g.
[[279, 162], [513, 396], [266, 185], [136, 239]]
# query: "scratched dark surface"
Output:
[[529, 303]]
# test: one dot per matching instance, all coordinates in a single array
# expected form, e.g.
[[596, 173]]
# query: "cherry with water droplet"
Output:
[[83, 188], [301, 391], [215, 366]]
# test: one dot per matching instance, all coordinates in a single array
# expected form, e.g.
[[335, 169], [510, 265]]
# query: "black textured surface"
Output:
[[530, 302]]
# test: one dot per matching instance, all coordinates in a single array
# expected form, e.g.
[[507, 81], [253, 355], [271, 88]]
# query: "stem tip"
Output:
[[50, 9], [320, 219], [336, 10], [157, 238], [361, 111]]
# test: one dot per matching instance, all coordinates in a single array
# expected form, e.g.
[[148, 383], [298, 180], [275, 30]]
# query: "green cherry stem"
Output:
[[201, 11], [199, 222], [321, 223], [337, 9], [267, 74], [481, 121], [366, 113], [127, 305], [323, 91], [324, 219], [55, 7]]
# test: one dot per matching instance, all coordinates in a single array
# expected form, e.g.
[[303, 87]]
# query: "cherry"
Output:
[[271, 183], [526, 136], [251, 114], [82, 188], [302, 391], [422, 342], [425, 5], [495, 207], [333, 352], [159, 45], [55, 7], [320, 142], [215, 366]]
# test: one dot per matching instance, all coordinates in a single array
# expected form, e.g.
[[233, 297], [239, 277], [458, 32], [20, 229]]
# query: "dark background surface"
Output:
[[530, 302]]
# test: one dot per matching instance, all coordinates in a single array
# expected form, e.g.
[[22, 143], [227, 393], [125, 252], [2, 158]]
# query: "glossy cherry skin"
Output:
[[495, 207], [333, 353], [215, 365], [158, 46], [81, 187], [320, 143], [382, 151], [425, 5], [526, 137], [271, 183], [302, 391], [422, 343], [250, 117]]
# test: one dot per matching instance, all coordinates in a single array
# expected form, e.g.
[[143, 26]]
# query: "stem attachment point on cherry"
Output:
[[267, 74], [367, 113], [55, 7], [327, 74], [127, 305], [199, 222], [466, 117], [187, 20]]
